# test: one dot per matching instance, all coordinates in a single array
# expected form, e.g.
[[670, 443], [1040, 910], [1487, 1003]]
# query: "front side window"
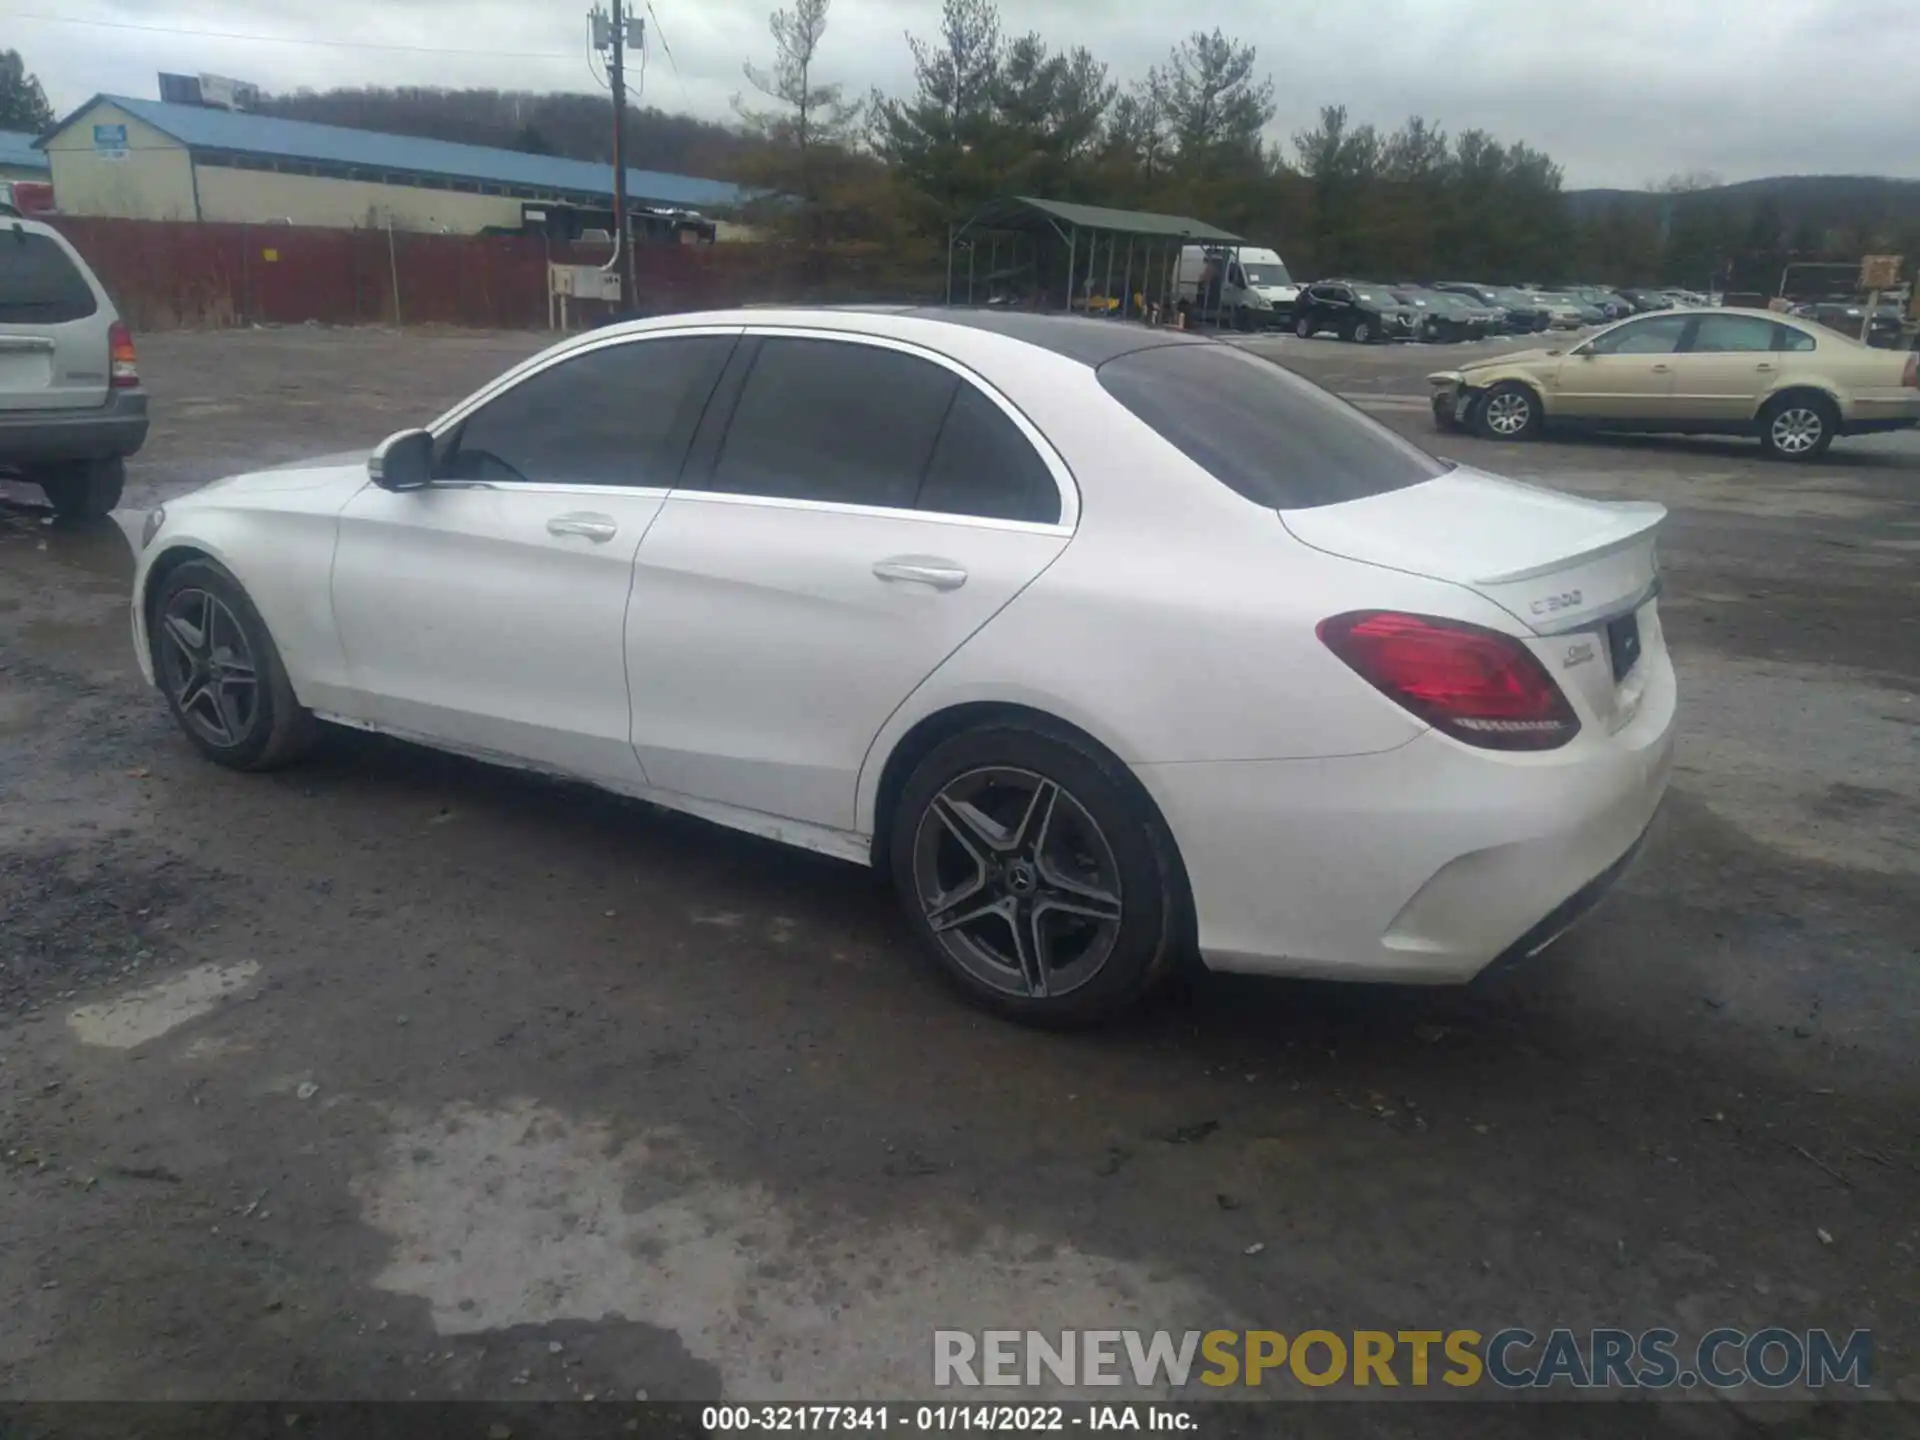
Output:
[[620, 415], [1723, 333], [1262, 431], [1660, 335], [834, 421], [39, 284]]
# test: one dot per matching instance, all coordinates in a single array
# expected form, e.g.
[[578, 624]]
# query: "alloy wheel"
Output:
[[1508, 413], [1017, 882], [208, 668], [1362, 333], [1797, 430]]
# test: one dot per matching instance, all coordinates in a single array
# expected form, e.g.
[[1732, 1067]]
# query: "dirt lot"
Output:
[[458, 1083]]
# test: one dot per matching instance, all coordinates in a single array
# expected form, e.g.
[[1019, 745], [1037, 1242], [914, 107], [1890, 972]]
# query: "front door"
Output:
[[863, 510], [1624, 374], [487, 611]]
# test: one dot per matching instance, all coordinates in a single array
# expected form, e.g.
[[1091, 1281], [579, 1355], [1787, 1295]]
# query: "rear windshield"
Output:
[[38, 283], [1261, 430]]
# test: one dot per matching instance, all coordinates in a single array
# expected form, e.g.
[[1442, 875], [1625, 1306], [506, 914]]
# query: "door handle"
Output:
[[1661, 369], [597, 528], [921, 570], [1763, 365]]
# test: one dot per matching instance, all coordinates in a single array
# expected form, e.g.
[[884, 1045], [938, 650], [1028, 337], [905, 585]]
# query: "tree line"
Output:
[[868, 184]]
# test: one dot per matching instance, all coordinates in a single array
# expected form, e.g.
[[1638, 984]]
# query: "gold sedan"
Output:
[[1793, 384]]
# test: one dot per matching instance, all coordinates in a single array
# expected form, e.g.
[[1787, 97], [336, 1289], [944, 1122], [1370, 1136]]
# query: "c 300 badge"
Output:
[[1553, 604]]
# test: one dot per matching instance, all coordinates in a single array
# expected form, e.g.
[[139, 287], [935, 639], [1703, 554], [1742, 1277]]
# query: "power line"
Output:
[[283, 39]]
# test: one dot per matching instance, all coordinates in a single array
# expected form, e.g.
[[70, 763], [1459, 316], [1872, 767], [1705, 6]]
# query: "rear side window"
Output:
[[1261, 430], [1788, 338], [835, 421], [1719, 334], [39, 284], [983, 465], [620, 415]]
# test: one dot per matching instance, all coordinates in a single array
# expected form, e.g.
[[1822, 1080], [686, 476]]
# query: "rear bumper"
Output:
[[1421, 864], [118, 427]]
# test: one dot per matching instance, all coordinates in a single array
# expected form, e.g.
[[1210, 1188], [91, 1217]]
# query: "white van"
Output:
[[1252, 287]]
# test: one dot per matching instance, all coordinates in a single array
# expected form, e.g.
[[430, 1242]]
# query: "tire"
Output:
[[1362, 333], [1103, 890], [1443, 418], [205, 675], [1509, 411], [1303, 327], [1243, 320], [1798, 427], [85, 490]]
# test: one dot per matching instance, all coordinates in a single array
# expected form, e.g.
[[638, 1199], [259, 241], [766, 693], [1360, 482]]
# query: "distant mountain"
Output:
[[1794, 197]]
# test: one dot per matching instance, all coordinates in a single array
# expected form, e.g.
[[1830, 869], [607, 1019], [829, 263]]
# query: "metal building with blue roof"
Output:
[[150, 160], [18, 159]]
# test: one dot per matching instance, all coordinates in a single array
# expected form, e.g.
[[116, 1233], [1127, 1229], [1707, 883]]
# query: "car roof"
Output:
[[1074, 337]]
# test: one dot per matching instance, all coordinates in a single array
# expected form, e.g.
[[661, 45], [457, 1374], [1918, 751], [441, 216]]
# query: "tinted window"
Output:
[[616, 416], [832, 420], [1733, 332], [1261, 430], [1792, 339], [1658, 336], [983, 465], [38, 283]]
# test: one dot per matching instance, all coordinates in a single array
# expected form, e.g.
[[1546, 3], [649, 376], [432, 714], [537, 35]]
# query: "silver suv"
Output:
[[71, 406]]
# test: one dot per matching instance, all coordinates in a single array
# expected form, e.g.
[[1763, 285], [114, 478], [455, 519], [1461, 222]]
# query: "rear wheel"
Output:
[[1798, 427], [221, 672], [84, 489], [1508, 411], [1036, 876]]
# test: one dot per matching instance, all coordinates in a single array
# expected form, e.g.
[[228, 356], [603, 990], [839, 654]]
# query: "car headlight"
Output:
[[156, 517]]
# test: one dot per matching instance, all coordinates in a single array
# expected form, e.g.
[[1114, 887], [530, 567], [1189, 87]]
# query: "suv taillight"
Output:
[[1475, 684], [1912, 378], [122, 363]]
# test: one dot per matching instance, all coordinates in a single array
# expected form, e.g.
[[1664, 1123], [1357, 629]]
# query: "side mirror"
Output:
[[403, 461]]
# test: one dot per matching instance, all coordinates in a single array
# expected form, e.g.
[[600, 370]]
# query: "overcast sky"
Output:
[[1620, 92]]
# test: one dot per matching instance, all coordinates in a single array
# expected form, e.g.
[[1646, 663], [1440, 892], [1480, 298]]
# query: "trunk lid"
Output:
[[1554, 562]]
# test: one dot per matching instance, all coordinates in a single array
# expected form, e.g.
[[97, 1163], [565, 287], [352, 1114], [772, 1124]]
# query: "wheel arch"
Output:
[[1811, 390], [931, 730]]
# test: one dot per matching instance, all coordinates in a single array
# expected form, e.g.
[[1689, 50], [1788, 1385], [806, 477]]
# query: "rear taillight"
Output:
[[1912, 377], [1477, 685], [123, 364]]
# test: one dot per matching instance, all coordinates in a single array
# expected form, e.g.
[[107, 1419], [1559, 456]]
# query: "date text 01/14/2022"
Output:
[[936, 1419]]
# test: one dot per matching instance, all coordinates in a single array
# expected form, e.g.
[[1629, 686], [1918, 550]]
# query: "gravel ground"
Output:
[[396, 1076]]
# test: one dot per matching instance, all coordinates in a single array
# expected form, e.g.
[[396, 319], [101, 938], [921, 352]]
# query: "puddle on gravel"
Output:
[[151, 1011], [524, 1216]]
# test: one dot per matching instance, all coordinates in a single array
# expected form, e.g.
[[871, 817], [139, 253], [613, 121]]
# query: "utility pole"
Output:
[[610, 34]]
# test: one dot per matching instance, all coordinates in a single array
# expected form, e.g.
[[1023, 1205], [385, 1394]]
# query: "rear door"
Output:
[[863, 509], [1730, 363], [1624, 374], [53, 325]]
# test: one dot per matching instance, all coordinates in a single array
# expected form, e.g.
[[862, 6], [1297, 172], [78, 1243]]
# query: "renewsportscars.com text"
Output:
[[1510, 1359]]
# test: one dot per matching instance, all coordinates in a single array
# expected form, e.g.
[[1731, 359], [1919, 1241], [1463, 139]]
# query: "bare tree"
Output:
[[810, 114]]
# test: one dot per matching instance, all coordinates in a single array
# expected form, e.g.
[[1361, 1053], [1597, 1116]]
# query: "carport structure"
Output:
[[1046, 248]]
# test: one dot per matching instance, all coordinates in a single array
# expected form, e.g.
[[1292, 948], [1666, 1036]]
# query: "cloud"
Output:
[[1618, 91]]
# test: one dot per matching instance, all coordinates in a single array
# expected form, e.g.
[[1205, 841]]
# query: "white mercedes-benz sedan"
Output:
[[1111, 646]]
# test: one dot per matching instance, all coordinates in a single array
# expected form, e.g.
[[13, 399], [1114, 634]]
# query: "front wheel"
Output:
[[1303, 327], [1798, 427], [1507, 412], [1362, 333], [1037, 876], [1443, 415], [85, 489], [221, 672]]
